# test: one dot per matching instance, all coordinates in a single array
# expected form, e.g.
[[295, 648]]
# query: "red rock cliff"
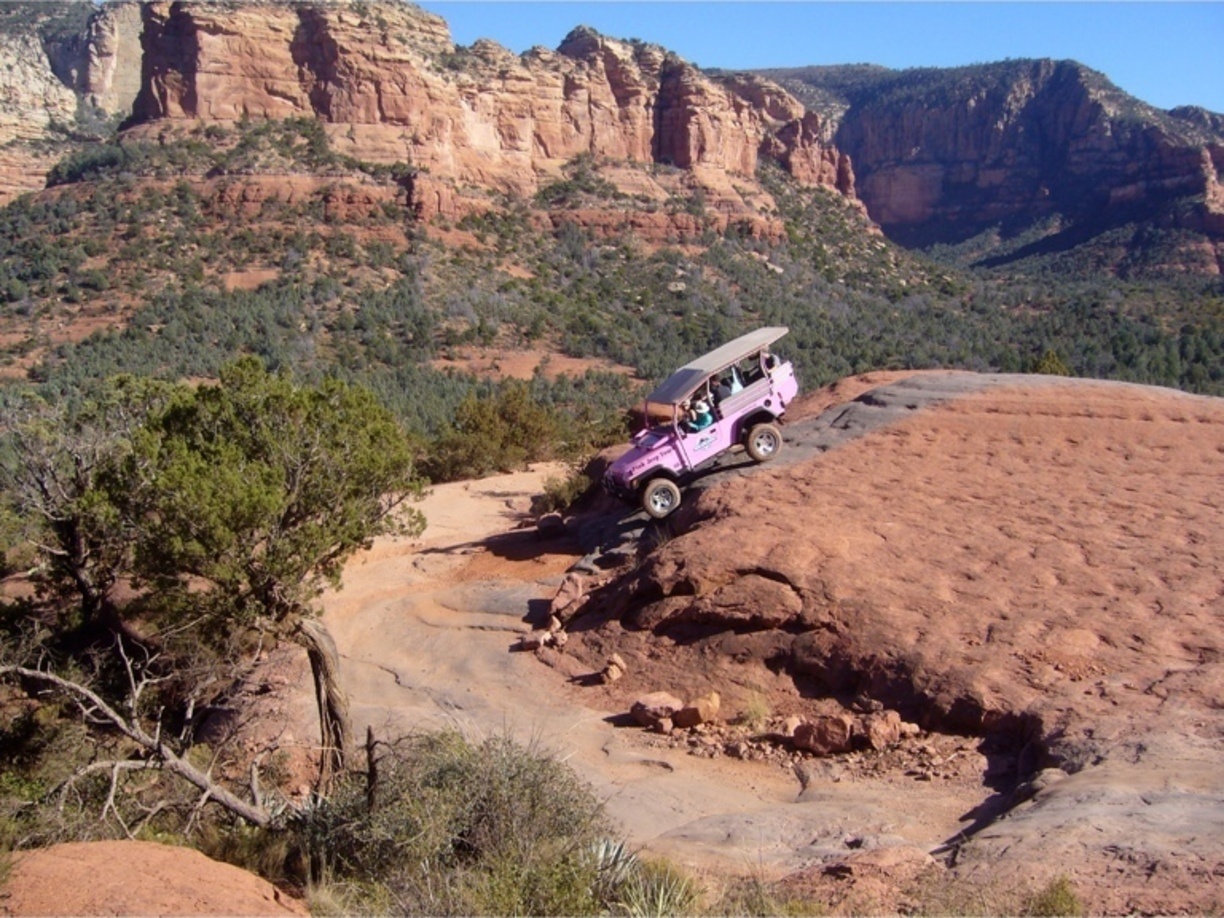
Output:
[[393, 87], [948, 152]]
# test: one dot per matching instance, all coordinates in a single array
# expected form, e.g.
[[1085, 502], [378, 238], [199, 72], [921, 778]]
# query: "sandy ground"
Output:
[[427, 632]]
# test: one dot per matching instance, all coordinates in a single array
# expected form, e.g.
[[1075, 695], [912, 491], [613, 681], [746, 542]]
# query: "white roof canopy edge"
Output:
[[681, 384]]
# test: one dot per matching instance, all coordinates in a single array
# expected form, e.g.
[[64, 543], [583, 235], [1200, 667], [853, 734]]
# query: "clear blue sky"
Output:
[[1166, 53]]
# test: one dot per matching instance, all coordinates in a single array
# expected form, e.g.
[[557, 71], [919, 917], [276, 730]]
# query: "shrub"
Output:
[[754, 895], [562, 493], [755, 713], [658, 888], [1056, 898], [497, 433], [1051, 364], [452, 827]]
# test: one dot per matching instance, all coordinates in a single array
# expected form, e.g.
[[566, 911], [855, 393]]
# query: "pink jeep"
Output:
[[732, 396]]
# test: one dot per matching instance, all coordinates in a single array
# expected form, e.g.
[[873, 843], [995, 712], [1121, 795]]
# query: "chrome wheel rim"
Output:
[[661, 500], [765, 443]]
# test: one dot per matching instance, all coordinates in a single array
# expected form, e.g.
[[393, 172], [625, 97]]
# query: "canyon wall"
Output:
[[941, 154], [392, 87]]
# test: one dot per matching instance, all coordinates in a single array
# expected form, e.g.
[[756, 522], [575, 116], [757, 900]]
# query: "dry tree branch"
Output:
[[84, 771], [93, 705]]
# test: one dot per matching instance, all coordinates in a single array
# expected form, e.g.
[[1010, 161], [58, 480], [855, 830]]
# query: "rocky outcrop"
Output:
[[1034, 559], [943, 154], [392, 87], [55, 90], [109, 77], [32, 98]]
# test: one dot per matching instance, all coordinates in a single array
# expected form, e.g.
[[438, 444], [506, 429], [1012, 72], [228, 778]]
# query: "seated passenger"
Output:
[[729, 384], [698, 416]]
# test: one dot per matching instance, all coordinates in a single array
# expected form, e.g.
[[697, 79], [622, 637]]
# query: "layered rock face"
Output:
[[109, 76], [393, 88], [941, 154], [43, 86]]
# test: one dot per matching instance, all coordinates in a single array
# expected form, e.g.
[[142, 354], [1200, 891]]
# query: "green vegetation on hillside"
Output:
[[360, 295]]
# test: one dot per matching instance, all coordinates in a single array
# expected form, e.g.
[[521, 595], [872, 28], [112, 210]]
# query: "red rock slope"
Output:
[[136, 878], [1031, 559]]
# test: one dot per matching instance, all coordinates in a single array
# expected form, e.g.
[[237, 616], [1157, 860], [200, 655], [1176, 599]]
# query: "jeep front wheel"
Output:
[[764, 442], [660, 497]]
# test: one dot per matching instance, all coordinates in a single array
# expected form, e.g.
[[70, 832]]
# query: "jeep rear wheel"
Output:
[[660, 497], [764, 442]]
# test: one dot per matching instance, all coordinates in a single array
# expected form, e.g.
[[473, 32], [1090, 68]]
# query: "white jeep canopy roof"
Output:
[[681, 384]]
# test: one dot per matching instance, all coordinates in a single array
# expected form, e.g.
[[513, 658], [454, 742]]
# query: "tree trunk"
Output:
[[333, 703]]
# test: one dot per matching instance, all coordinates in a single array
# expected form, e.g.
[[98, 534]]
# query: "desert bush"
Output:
[[561, 493], [1051, 364], [754, 895], [1056, 898], [756, 712], [454, 827], [496, 433]]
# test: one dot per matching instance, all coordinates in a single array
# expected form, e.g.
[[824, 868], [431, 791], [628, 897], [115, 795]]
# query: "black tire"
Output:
[[764, 442], [660, 497]]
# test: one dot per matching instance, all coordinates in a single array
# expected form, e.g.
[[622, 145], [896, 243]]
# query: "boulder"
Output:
[[881, 730], [651, 709], [573, 588], [700, 711], [826, 735]]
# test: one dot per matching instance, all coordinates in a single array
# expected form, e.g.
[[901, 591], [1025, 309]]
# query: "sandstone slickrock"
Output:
[[1028, 559], [81, 879]]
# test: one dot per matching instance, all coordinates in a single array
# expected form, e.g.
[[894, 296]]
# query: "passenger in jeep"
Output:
[[697, 415]]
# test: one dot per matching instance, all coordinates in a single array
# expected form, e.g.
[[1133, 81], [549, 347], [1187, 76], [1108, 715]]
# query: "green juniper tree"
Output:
[[261, 489], [230, 507]]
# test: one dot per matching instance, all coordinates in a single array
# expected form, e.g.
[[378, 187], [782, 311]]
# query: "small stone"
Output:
[[617, 660], [611, 673], [533, 641], [791, 724]]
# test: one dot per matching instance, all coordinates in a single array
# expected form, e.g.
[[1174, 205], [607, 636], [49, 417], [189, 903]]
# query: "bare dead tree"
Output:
[[158, 755], [330, 697]]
